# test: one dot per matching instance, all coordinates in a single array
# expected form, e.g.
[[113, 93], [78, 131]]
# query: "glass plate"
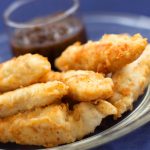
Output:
[[97, 25]]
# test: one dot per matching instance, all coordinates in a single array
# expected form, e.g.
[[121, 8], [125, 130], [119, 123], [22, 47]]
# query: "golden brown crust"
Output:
[[53, 125], [37, 95], [109, 54], [52, 76], [22, 71], [130, 82], [84, 85], [87, 85]]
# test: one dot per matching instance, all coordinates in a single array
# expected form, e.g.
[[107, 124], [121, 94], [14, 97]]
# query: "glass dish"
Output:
[[98, 24], [45, 31]]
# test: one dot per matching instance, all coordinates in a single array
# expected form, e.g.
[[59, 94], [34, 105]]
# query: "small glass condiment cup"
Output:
[[45, 27]]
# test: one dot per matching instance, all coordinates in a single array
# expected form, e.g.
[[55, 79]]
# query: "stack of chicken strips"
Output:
[[41, 107]]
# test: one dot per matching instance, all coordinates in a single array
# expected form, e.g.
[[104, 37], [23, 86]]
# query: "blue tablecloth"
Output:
[[140, 138]]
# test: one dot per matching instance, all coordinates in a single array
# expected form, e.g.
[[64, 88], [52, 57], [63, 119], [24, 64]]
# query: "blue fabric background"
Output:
[[139, 139]]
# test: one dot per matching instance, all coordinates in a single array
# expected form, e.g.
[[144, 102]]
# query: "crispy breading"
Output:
[[130, 82], [27, 98], [22, 71], [88, 85], [84, 85], [109, 54], [52, 76], [55, 124]]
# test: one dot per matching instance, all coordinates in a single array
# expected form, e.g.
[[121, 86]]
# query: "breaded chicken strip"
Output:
[[84, 85], [109, 54], [30, 97], [22, 71], [55, 124], [130, 82]]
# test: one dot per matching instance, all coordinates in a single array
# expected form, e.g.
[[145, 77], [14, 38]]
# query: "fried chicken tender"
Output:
[[84, 85], [130, 82], [27, 98], [22, 71], [109, 54], [55, 124]]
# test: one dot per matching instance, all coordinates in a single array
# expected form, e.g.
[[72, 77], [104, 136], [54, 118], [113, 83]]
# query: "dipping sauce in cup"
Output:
[[46, 34]]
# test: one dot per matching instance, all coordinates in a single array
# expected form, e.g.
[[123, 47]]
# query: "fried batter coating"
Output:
[[84, 85], [130, 82], [52, 76], [55, 124], [88, 85], [109, 54], [22, 71], [27, 98]]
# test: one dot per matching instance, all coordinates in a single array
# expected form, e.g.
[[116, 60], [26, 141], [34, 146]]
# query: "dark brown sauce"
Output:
[[48, 40]]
